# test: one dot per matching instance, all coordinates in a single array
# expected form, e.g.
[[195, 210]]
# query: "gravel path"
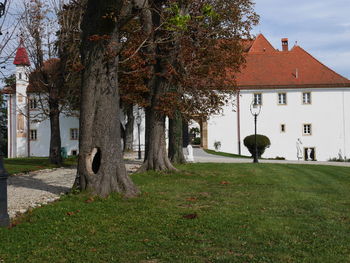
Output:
[[41, 187], [37, 188]]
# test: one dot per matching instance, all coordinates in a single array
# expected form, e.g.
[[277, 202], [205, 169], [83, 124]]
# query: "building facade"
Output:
[[28, 136], [305, 106]]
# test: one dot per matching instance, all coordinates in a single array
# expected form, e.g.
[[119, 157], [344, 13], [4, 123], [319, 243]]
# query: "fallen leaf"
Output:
[[191, 199], [224, 182], [90, 200], [190, 216]]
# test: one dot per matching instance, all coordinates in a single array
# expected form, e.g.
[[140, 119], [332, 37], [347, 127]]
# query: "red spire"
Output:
[[21, 55]]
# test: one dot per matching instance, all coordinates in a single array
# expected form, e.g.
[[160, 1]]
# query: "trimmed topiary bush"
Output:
[[262, 142], [197, 141]]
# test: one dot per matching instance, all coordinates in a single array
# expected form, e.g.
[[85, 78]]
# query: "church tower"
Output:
[[20, 132]]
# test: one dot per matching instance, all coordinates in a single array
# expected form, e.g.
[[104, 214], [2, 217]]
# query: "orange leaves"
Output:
[[190, 216], [90, 200], [77, 67], [99, 37], [71, 213]]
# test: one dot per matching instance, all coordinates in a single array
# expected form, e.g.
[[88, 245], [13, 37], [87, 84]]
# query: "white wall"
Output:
[[40, 147], [21, 103], [329, 114]]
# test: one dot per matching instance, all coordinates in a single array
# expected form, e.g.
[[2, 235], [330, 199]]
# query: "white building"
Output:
[[305, 106], [27, 137], [305, 109]]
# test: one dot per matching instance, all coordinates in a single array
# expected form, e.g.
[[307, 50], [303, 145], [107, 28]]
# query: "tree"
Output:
[[45, 83], [100, 166], [53, 81], [39, 24], [190, 47]]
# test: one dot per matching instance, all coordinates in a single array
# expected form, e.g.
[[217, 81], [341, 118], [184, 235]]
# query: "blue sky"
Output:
[[321, 27]]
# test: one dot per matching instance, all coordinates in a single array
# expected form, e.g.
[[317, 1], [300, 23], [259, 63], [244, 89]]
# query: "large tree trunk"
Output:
[[156, 157], [101, 169], [129, 129], [55, 134], [176, 154]]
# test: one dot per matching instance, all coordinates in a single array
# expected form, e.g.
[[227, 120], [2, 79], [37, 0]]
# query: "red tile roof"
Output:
[[267, 67], [9, 89], [21, 58]]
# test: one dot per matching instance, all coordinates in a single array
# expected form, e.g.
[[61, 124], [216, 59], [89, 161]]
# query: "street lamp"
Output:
[[138, 122], [4, 216], [255, 109]]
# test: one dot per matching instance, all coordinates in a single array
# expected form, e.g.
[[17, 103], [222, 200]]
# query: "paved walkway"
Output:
[[200, 156]]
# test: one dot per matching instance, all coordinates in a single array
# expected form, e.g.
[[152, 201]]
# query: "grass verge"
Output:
[[205, 213], [227, 154], [25, 165]]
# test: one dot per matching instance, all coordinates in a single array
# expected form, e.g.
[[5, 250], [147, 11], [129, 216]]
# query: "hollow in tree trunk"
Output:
[[101, 168], [176, 154]]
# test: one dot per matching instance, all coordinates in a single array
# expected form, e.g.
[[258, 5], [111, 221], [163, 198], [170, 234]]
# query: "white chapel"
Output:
[[26, 136]]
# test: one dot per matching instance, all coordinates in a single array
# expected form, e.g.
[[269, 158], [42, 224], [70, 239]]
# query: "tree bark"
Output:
[[156, 157], [176, 154], [55, 134], [101, 169], [129, 129]]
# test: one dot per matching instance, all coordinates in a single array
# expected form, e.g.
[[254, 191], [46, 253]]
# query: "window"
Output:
[[20, 75], [306, 97], [283, 128], [74, 134], [282, 98], [33, 135], [33, 104], [258, 98], [74, 152], [307, 129]]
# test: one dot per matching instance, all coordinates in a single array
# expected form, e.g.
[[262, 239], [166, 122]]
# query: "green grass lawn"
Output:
[[23, 165], [205, 213], [226, 154]]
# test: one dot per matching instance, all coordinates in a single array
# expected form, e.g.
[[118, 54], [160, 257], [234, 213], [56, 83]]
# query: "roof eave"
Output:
[[295, 86]]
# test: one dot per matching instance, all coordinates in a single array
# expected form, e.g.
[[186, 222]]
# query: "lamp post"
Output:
[[4, 216], [138, 122], [255, 109]]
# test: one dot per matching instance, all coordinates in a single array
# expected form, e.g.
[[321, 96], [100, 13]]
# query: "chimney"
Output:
[[285, 44]]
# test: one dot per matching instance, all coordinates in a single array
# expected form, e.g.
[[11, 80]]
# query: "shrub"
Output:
[[197, 141], [262, 142], [337, 159]]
